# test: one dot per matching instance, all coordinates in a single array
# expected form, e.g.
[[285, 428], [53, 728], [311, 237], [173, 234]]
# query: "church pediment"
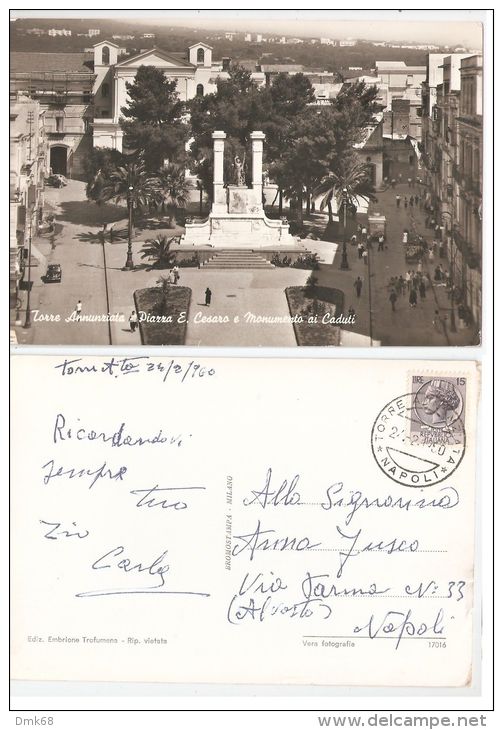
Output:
[[157, 58]]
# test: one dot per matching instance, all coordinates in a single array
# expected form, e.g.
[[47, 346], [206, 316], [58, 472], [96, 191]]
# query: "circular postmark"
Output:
[[414, 453]]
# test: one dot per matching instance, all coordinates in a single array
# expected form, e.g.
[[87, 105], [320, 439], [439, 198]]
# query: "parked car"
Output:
[[57, 181], [53, 273]]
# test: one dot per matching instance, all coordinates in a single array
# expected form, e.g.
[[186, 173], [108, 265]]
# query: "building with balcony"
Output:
[[27, 170], [468, 180], [62, 83], [452, 155]]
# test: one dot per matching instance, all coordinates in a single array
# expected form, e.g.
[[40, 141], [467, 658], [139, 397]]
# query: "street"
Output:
[[76, 246], [405, 326]]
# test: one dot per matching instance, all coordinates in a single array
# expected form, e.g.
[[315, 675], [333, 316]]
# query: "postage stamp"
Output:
[[418, 439], [438, 403]]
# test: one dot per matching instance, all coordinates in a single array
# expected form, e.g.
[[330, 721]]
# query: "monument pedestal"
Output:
[[240, 223]]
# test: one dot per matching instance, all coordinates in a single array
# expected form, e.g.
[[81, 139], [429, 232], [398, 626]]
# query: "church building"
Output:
[[195, 73]]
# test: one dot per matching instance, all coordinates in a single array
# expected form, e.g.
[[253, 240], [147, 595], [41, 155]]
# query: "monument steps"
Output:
[[237, 259]]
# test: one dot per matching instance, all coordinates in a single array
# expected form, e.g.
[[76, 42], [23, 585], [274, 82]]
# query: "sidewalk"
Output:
[[406, 326]]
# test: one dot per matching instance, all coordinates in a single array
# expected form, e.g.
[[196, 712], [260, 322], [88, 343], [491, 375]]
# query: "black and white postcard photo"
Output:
[[184, 182]]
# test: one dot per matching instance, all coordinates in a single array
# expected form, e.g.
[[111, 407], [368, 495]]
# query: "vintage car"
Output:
[[57, 181], [53, 273]]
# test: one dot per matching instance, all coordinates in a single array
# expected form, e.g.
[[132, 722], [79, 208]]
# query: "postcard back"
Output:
[[243, 520]]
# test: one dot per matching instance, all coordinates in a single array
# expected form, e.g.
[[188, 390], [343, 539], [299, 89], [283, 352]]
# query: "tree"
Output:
[[304, 142], [100, 160], [239, 107], [130, 183], [172, 188], [153, 118], [354, 109], [159, 249], [350, 183], [309, 155], [165, 286]]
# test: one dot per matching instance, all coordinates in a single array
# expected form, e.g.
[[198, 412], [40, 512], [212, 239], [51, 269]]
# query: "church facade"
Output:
[[195, 73]]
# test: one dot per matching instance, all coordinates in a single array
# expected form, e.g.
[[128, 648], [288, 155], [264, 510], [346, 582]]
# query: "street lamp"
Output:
[[129, 258], [27, 322], [344, 258]]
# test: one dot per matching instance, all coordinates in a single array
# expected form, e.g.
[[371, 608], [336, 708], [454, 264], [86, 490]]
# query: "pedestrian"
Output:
[[401, 285], [171, 277], [437, 323], [78, 311], [431, 255], [416, 199], [364, 234], [405, 202], [381, 243], [434, 248], [359, 231], [413, 298], [399, 177], [364, 255], [409, 181], [358, 286], [419, 267], [393, 182], [393, 298], [422, 290], [438, 274], [398, 198], [207, 296], [133, 321], [408, 279], [405, 236], [411, 201], [353, 239], [360, 249]]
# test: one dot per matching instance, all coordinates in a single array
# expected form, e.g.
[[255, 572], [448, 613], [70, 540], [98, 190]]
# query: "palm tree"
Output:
[[159, 250], [172, 189], [346, 186], [165, 286], [130, 183]]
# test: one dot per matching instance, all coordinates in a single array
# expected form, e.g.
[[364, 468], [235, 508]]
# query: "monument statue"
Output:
[[239, 168]]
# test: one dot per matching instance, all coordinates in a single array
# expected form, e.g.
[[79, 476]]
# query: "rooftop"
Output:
[[281, 68], [27, 62]]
